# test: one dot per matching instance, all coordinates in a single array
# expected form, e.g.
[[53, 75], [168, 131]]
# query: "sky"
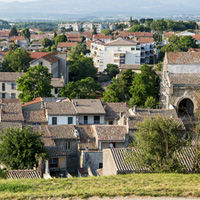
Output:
[[81, 8]]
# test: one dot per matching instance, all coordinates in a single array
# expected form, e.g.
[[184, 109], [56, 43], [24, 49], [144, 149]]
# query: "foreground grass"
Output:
[[177, 185]]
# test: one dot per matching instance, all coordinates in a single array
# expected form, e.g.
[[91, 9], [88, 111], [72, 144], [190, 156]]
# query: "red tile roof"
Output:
[[66, 44], [145, 40], [37, 100], [36, 55], [101, 36], [183, 58]]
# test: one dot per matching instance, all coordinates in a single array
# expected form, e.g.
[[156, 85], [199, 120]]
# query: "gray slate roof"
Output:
[[123, 167], [185, 78], [56, 151]]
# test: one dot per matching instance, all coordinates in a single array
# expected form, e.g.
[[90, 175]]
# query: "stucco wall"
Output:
[[109, 167], [92, 159], [61, 120]]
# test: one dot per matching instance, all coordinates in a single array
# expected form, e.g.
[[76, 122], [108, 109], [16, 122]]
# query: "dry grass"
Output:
[[177, 185]]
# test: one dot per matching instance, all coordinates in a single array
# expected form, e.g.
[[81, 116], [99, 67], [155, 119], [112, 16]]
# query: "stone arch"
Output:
[[186, 107]]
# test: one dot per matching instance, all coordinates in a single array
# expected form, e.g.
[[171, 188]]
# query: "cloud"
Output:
[[4, 1]]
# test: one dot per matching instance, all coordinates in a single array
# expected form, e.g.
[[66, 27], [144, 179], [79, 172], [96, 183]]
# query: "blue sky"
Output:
[[31, 8]]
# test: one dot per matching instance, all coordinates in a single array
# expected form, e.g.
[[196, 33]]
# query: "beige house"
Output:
[[19, 40], [8, 85], [56, 63]]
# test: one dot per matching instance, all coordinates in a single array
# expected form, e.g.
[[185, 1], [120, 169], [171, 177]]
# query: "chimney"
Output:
[[149, 112], [135, 109], [104, 107]]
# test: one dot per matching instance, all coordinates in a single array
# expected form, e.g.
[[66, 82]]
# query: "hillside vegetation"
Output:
[[177, 185]]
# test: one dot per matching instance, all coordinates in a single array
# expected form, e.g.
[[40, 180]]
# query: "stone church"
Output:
[[180, 82]]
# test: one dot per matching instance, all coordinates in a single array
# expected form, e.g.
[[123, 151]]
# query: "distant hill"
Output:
[[4, 24]]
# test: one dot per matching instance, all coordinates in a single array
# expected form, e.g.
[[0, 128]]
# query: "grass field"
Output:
[[173, 185]]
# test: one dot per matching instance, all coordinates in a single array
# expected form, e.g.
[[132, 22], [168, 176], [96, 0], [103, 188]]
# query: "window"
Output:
[[54, 120], [110, 122], [13, 96], [122, 61], [68, 145], [41, 63], [85, 119], [96, 119], [100, 165], [101, 66], [106, 48], [133, 49], [137, 48], [3, 87], [53, 162], [70, 120], [119, 49], [101, 60], [3, 95], [13, 86], [56, 90]]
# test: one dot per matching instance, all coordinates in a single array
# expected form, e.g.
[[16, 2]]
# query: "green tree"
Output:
[[159, 25], [177, 44], [142, 20], [53, 48], [63, 30], [35, 83], [83, 89], [119, 90], [137, 28], [46, 42], [81, 67], [13, 32], [157, 142], [112, 70], [78, 49], [150, 103], [20, 148], [106, 31], [16, 61], [55, 34], [60, 38], [94, 32], [144, 85], [26, 33]]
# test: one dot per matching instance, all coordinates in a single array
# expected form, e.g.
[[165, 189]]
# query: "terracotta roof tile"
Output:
[[34, 117], [145, 40], [110, 132], [60, 108], [88, 106], [66, 44], [183, 58]]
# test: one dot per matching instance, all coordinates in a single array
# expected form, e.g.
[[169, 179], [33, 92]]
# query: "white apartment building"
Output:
[[120, 51], [87, 26]]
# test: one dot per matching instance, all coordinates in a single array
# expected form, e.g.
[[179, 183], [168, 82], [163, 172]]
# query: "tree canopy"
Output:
[[60, 38], [118, 91], [112, 70], [178, 44], [25, 33], [13, 31], [46, 42], [83, 89], [144, 85], [78, 49], [81, 67], [106, 31], [159, 25], [35, 83], [137, 28], [157, 141], [16, 61], [20, 148]]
